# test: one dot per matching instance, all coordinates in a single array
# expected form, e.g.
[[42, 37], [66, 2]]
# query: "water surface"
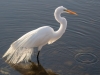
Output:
[[77, 52]]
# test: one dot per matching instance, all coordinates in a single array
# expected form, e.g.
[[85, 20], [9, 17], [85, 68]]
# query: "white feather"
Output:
[[23, 48]]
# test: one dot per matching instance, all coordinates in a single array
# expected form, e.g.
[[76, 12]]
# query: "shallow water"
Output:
[[76, 53]]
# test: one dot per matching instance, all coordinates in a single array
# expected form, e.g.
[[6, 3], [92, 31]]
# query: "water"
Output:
[[76, 53]]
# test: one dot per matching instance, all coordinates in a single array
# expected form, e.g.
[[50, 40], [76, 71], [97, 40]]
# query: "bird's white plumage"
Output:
[[35, 38], [23, 48]]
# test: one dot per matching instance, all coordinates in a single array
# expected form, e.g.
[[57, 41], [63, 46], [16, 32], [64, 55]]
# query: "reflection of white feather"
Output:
[[22, 49]]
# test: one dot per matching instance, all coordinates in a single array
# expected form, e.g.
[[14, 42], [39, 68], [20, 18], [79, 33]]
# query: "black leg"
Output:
[[38, 57]]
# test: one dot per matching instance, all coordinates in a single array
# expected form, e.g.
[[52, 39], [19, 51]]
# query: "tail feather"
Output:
[[16, 55]]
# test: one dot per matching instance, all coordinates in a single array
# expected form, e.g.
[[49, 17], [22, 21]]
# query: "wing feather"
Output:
[[22, 49]]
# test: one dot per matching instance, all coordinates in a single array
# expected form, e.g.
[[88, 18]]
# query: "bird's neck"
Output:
[[63, 25]]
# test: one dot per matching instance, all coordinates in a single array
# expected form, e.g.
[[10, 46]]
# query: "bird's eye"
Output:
[[64, 10]]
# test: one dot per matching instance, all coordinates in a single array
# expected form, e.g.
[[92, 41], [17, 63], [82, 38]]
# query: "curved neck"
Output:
[[63, 24]]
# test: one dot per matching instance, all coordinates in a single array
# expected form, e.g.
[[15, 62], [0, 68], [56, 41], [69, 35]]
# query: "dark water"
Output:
[[76, 53]]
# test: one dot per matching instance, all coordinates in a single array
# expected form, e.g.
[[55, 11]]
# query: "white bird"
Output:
[[22, 49]]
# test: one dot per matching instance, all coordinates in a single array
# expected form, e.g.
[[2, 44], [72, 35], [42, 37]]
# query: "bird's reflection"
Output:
[[32, 69]]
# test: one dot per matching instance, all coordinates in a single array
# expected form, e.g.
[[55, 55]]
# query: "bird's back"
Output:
[[35, 38]]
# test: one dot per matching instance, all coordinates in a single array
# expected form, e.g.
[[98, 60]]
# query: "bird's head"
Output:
[[65, 10]]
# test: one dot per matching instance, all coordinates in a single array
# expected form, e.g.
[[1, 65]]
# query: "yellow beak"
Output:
[[71, 12]]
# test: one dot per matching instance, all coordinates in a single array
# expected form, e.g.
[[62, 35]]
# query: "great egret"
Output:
[[22, 49]]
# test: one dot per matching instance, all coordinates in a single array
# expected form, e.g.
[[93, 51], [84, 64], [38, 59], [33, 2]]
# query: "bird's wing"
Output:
[[25, 40], [18, 52], [35, 38], [22, 49]]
